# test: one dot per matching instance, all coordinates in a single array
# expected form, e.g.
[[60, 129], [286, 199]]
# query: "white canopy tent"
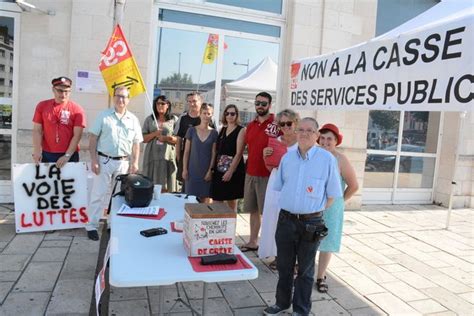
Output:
[[242, 91]]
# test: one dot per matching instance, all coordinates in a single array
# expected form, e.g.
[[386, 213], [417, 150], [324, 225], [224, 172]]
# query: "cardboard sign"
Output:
[[49, 198], [209, 229]]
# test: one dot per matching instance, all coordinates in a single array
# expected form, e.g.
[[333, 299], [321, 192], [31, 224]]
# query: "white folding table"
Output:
[[160, 260]]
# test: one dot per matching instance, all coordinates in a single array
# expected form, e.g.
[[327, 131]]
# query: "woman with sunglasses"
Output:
[[287, 121], [160, 155], [229, 170], [329, 139]]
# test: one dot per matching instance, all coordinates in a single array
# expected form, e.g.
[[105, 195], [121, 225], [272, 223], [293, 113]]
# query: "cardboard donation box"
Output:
[[208, 229]]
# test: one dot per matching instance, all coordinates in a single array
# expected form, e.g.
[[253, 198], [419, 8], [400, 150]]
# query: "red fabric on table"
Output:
[[279, 149], [198, 267], [158, 216], [174, 229]]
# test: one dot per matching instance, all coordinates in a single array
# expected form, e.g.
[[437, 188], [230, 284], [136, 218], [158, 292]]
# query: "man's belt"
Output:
[[300, 216], [113, 158]]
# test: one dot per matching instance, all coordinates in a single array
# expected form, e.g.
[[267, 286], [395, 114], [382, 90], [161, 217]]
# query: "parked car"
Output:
[[386, 163]]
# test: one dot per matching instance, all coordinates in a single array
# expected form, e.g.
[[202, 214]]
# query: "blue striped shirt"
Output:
[[307, 182]]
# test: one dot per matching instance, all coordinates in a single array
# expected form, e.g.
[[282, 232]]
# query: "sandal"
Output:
[[321, 285], [244, 248]]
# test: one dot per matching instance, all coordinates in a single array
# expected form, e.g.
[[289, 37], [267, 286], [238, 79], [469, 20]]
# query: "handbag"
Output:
[[223, 163]]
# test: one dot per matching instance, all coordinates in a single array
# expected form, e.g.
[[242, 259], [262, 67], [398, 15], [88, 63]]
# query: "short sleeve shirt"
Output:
[[256, 139], [156, 150], [58, 122], [116, 134], [307, 182]]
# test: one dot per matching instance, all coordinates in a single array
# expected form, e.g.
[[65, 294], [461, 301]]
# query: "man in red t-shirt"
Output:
[[256, 178], [57, 126]]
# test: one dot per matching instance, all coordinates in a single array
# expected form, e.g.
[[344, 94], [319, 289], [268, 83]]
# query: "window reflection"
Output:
[[273, 6], [180, 66], [5, 157], [219, 22], [382, 132], [416, 172], [379, 171], [249, 68], [420, 131]]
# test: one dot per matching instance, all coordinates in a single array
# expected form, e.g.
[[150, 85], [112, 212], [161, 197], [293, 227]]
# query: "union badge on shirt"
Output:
[[272, 130], [64, 117]]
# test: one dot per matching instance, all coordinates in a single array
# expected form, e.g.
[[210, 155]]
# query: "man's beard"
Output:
[[262, 112]]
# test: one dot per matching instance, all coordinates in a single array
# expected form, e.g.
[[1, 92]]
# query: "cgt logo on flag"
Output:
[[210, 52], [295, 69], [118, 66]]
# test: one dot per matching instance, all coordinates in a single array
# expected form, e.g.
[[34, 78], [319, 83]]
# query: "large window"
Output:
[[401, 151], [274, 6], [401, 146], [244, 61], [8, 42]]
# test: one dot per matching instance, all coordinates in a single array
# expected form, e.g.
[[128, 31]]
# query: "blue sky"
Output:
[[192, 45]]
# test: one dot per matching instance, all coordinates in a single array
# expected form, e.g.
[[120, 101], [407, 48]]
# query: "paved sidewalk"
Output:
[[396, 260]]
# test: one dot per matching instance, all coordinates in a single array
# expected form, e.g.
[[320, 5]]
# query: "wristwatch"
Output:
[[67, 155]]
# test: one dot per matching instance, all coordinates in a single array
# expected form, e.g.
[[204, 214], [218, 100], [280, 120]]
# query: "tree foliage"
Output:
[[387, 120], [177, 78]]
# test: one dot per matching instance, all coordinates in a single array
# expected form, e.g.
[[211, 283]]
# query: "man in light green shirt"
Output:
[[114, 145]]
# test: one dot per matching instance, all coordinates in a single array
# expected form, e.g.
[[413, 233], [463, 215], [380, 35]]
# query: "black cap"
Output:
[[61, 81]]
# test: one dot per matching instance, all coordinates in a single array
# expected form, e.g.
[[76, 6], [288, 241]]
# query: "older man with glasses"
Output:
[[57, 126], [256, 178], [114, 145], [308, 179]]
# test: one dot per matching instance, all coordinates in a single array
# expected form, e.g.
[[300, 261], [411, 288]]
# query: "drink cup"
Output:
[[157, 191]]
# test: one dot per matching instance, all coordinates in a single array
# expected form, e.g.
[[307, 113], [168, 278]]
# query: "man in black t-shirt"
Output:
[[185, 121]]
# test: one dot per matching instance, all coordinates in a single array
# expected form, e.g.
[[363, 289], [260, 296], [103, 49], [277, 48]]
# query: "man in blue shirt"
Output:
[[114, 145], [309, 180]]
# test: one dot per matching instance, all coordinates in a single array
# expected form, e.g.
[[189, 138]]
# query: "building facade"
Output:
[[400, 156]]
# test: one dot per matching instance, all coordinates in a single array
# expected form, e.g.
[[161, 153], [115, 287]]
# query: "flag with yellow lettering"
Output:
[[118, 66], [210, 52]]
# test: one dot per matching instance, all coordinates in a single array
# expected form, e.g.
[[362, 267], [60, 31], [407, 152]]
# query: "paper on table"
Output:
[[149, 210], [279, 149]]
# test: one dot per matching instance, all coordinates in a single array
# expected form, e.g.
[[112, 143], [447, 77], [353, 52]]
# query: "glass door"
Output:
[[8, 98], [401, 157], [209, 50], [180, 66]]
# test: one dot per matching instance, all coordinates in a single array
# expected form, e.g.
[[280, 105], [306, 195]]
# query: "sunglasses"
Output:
[[283, 124], [230, 113], [261, 103]]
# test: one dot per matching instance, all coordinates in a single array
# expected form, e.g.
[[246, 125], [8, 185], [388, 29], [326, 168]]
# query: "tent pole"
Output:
[[462, 116]]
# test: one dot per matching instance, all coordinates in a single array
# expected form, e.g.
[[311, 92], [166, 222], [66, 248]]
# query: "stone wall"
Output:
[[72, 40], [323, 26], [463, 168]]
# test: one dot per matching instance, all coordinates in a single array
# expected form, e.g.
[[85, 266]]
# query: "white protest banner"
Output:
[[49, 198], [424, 65]]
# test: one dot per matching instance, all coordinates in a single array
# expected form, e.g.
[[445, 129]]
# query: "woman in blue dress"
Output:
[[329, 139], [199, 156]]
